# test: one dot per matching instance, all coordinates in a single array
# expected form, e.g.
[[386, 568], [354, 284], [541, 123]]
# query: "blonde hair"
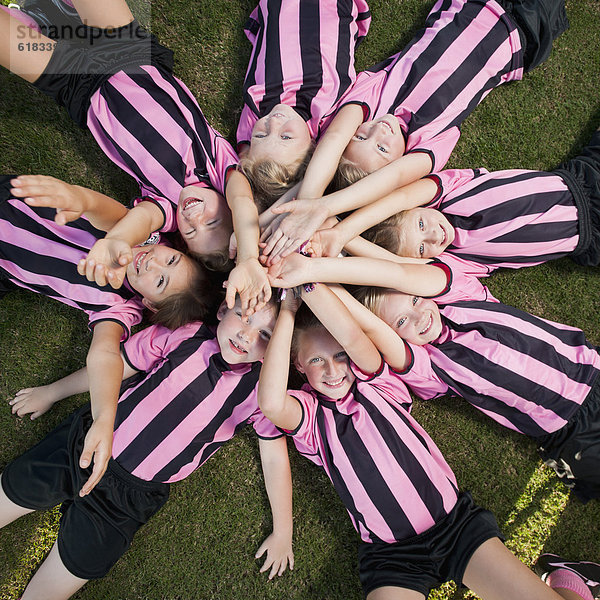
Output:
[[371, 297], [347, 173], [269, 179], [389, 233]]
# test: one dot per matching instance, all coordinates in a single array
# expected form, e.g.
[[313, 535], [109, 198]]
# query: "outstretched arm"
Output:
[[280, 408], [410, 196], [105, 373], [409, 278], [70, 201], [387, 341], [248, 278], [379, 184], [341, 324], [38, 400], [361, 247], [278, 483]]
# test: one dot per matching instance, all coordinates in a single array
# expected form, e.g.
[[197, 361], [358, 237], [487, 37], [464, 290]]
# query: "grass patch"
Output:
[[201, 545]]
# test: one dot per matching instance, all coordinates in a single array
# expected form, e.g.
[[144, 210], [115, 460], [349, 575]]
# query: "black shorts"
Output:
[[539, 23], [582, 176], [574, 450], [425, 561], [78, 68], [97, 529]]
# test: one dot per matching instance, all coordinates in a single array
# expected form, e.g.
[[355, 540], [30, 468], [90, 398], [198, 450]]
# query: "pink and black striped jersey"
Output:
[[513, 218], [149, 124], [185, 403], [41, 256], [389, 473], [527, 373], [302, 56], [467, 48]]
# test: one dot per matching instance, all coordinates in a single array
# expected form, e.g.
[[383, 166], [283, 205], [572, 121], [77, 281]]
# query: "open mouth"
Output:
[[428, 325], [139, 259], [387, 126], [444, 236], [190, 203], [236, 348], [335, 384]]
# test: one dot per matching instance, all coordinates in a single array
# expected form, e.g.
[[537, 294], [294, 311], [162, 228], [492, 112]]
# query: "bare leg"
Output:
[[23, 50], [52, 580], [9, 511], [394, 593], [494, 573], [105, 14]]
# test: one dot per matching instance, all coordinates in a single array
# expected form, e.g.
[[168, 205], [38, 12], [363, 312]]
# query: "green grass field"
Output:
[[201, 545]]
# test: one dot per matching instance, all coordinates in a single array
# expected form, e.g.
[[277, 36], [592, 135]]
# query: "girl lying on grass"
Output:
[[512, 218], [401, 119], [186, 393], [120, 86], [352, 418], [40, 255], [531, 375]]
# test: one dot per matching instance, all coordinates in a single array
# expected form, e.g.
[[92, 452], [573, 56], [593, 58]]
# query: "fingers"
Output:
[[272, 241], [100, 273], [64, 216], [116, 277], [277, 248], [230, 295], [100, 457], [290, 247]]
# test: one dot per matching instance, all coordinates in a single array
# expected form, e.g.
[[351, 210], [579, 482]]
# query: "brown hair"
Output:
[[216, 261], [305, 321], [269, 179], [197, 302]]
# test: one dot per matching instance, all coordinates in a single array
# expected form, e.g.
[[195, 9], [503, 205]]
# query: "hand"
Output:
[[106, 262], [249, 280], [325, 242], [36, 401], [269, 229], [290, 272], [304, 218], [42, 190], [97, 448], [279, 554]]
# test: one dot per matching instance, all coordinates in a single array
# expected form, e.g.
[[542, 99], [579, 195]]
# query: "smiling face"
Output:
[[244, 339], [376, 143], [281, 136], [424, 233], [156, 272], [415, 319], [203, 219], [324, 362]]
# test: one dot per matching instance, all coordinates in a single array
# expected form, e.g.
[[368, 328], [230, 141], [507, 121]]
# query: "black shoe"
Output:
[[56, 19], [589, 572]]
